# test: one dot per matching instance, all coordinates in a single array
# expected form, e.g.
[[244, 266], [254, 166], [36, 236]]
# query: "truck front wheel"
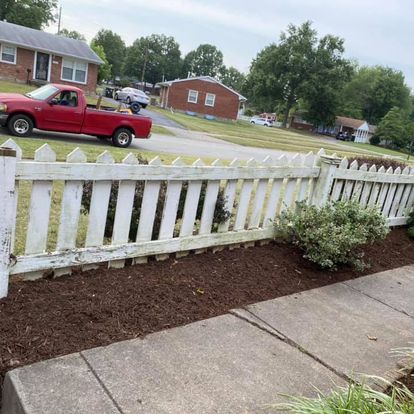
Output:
[[20, 125], [122, 138]]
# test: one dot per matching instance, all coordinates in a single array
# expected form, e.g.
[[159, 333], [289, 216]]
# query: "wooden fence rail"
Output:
[[170, 198]]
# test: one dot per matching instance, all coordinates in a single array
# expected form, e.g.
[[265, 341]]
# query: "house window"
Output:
[[74, 71], [192, 96], [7, 54], [210, 99]]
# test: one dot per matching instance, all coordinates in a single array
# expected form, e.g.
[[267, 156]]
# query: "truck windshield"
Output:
[[42, 93]]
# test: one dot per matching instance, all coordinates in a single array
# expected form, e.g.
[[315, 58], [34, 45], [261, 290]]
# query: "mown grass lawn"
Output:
[[243, 133]]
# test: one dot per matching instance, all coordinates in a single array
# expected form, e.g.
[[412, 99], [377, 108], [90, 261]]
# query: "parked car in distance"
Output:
[[261, 121], [132, 95], [63, 108]]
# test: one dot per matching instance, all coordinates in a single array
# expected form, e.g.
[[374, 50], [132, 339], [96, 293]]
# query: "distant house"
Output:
[[356, 127], [298, 121], [201, 95], [29, 55]]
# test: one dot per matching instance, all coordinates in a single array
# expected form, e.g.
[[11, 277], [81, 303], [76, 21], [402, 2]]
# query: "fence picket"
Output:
[[99, 206], [339, 184], [244, 201], [71, 205], [11, 144], [399, 194], [172, 198], [367, 188], [356, 193], [209, 206], [390, 196], [291, 184], [349, 184], [191, 204], [408, 196], [305, 183], [148, 209], [39, 210], [376, 189], [384, 191], [273, 201], [123, 212], [259, 198], [229, 196]]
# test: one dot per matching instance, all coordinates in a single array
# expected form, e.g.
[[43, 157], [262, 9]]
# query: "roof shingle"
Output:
[[46, 42]]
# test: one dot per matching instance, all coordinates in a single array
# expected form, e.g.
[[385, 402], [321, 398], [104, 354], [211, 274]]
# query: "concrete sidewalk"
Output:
[[235, 363]]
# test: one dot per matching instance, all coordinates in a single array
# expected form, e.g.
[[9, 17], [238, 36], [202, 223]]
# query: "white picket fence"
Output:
[[255, 193]]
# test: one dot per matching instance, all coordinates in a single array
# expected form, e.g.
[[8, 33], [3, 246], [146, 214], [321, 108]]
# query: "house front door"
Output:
[[42, 65]]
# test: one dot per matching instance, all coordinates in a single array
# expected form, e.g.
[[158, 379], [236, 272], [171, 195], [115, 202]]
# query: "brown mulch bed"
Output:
[[48, 318]]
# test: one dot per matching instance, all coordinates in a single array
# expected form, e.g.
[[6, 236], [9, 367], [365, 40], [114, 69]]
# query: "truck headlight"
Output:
[[3, 107]]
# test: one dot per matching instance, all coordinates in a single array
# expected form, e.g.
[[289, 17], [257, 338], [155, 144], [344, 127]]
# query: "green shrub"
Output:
[[330, 235], [379, 162], [221, 214], [375, 140], [248, 112], [354, 399]]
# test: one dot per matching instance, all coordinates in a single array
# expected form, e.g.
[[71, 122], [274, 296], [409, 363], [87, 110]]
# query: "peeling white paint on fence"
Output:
[[254, 193]]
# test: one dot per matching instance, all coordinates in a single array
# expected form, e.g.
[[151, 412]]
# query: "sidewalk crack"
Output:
[[282, 337], [119, 409], [378, 300]]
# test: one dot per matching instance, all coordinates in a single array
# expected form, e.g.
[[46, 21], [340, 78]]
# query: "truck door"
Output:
[[63, 113]]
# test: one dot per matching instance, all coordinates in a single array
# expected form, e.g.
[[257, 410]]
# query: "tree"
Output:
[[330, 74], [114, 48], [72, 34], [232, 78], [392, 130], [206, 60], [373, 91], [296, 68], [153, 59], [30, 13], [104, 71]]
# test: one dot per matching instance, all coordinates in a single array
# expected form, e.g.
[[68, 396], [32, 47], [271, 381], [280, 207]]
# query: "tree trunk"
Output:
[[286, 116]]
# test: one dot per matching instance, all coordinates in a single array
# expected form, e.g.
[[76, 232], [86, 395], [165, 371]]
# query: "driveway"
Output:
[[157, 118]]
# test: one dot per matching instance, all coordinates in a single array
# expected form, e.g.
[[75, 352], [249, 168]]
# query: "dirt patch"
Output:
[[408, 381], [48, 318]]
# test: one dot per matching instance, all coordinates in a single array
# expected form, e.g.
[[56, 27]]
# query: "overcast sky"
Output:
[[375, 31]]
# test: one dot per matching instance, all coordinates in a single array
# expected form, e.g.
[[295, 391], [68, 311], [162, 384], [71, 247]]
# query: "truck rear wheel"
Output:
[[122, 138], [20, 125]]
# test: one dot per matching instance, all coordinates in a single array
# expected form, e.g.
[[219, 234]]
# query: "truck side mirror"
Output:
[[54, 101]]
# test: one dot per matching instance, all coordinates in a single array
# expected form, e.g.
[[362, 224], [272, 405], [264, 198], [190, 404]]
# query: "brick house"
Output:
[[201, 95], [29, 55]]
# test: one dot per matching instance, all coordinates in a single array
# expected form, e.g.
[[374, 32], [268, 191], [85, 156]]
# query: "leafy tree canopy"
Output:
[[393, 129], [373, 92], [206, 60], [104, 71], [232, 78], [72, 34], [114, 48], [300, 66], [153, 58], [30, 13]]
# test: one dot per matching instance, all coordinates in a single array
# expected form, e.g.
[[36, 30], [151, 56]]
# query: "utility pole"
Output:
[[59, 18]]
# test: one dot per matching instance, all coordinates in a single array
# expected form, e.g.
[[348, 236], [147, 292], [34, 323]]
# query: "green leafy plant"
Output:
[[330, 235], [354, 399], [410, 224]]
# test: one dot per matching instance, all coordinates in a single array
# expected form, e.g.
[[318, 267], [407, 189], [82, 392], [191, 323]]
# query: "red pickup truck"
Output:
[[62, 108]]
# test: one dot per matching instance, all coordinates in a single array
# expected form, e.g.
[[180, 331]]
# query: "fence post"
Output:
[[7, 213], [328, 165]]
